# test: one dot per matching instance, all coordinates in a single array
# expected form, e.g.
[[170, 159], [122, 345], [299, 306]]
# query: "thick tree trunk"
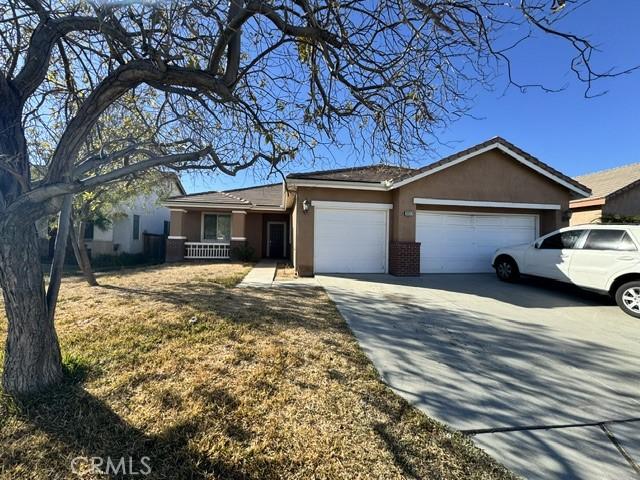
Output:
[[32, 359], [82, 256], [32, 355]]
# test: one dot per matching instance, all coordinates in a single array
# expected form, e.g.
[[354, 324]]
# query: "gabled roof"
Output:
[[503, 145], [242, 198], [388, 177], [607, 183], [370, 177], [370, 173], [174, 176]]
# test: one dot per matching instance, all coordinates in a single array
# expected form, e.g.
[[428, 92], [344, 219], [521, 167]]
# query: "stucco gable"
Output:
[[491, 176], [507, 148]]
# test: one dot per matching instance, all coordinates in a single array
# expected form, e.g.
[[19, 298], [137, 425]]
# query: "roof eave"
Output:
[[220, 206], [383, 186], [587, 202]]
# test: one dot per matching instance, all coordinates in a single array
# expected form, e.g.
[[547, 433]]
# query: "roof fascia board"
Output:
[[587, 202], [231, 207], [337, 184], [263, 207], [542, 171]]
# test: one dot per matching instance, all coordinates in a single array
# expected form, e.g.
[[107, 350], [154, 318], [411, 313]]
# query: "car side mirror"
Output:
[[536, 244]]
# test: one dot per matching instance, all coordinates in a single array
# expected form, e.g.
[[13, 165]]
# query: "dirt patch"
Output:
[[285, 271]]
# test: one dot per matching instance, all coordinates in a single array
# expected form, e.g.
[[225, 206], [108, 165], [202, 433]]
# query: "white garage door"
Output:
[[350, 240], [465, 243]]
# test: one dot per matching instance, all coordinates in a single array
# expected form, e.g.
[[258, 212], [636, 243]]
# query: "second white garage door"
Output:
[[465, 243], [350, 240]]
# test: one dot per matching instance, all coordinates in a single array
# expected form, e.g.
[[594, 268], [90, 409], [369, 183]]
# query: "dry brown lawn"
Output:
[[212, 381], [285, 271]]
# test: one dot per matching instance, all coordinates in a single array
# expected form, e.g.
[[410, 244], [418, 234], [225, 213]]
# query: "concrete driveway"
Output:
[[546, 378]]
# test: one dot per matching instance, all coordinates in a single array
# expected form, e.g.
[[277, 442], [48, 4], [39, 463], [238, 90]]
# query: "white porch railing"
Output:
[[207, 250]]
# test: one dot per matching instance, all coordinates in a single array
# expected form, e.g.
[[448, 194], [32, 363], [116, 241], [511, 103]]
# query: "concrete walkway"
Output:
[[261, 275], [545, 378], [264, 273]]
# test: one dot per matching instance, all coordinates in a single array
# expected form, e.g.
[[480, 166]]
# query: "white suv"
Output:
[[604, 258]]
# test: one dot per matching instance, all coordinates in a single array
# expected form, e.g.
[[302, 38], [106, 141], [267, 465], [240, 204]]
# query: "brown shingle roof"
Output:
[[608, 182], [368, 174], [262, 196], [380, 173], [210, 197], [271, 195]]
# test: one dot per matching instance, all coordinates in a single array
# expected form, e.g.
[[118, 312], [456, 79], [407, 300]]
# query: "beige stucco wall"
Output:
[[253, 232], [238, 219], [175, 223], [294, 228], [492, 176], [581, 216], [189, 224], [192, 226], [251, 226], [304, 221], [626, 203]]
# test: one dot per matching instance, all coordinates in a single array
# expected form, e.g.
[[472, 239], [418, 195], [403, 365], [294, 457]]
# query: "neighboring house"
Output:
[[143, 214], [448, 216], [613, 192]]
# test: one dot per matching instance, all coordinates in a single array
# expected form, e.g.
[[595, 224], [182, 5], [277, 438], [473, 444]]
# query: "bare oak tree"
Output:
[[228, 85]]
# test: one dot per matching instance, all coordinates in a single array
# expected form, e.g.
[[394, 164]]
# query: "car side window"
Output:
[[626, 244], [616, 240], [562, 240]]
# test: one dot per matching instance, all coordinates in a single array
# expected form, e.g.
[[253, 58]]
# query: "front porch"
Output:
[[216, 234]]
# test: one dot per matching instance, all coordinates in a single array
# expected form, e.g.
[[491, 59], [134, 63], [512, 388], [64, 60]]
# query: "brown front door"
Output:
[[276, 233]]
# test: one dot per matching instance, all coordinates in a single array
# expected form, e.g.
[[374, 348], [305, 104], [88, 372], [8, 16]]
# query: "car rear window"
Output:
[[617, 240]]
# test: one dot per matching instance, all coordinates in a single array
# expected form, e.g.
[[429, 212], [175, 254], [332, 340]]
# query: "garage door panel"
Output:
[[350, 241], [465, 243]]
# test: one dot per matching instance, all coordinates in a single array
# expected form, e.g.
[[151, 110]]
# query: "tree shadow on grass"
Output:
[[80, 426]]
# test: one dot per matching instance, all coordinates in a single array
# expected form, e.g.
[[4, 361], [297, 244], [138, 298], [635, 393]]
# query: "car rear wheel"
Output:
[[506, 269], [628, 298]]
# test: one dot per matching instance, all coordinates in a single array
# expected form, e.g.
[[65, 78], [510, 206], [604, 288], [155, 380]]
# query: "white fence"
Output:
[[207, 250]]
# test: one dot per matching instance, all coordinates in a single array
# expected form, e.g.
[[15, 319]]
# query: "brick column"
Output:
[[404, 259], [175, 249]]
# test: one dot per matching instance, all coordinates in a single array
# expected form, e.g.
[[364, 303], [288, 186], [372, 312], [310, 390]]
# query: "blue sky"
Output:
[[573, 134]]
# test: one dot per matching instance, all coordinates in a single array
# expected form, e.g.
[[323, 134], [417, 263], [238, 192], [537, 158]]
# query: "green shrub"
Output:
[[609, 218], [245, 253], [121, 260]]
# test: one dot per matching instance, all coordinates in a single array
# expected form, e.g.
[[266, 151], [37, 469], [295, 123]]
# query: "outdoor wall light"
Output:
[[305, 206]]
